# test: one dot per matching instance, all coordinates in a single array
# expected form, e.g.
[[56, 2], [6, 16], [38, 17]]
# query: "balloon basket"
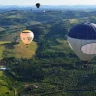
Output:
[[85, 66]]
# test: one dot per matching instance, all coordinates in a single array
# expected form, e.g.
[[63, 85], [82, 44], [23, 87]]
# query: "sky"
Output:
[[48, 2]]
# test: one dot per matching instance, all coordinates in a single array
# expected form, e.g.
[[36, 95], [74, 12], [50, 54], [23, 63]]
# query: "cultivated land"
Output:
[[48, 67]]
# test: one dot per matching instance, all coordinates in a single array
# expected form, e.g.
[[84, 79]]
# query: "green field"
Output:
[[4, 90], [7, 49], [22, 51], [60, 46]]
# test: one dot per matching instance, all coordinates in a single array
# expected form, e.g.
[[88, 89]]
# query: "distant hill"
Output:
[[23, 7]]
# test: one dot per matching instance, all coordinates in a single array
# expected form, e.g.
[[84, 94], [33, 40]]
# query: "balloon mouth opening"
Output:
[[85, 62], [26, 44]]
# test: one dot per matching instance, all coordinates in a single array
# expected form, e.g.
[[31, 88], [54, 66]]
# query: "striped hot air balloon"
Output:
[[26, 37]]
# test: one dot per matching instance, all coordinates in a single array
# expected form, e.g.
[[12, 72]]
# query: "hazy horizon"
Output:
[[48, 2], [49, 5]]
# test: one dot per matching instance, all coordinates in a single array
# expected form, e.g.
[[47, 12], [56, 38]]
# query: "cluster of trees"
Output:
[[23, 69]]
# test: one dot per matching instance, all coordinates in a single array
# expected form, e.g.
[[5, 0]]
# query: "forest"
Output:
[[48, 67]]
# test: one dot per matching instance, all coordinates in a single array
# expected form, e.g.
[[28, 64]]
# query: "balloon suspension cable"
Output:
[[26, 46], [85, 64]]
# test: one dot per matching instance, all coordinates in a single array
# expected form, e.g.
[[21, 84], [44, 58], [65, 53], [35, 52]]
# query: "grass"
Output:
[[2, 82], [7, 49], [15, 16], [2, 29], [11, 31], [4, 89], [60, 46], [2, 48], [3, 86], [73, 21], [24, 52], [1, 72]]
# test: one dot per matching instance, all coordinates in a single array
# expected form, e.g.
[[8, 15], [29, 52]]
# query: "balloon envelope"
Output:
[[82, 40], [27, 36], [37, 5]]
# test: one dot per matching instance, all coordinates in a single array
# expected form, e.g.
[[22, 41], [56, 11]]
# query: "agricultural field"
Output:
[[48, 66]]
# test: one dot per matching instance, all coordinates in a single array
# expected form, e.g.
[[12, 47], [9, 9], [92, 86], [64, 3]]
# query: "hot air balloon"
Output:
[[43, 11], [26, 37], [82, 40], [37, 5]]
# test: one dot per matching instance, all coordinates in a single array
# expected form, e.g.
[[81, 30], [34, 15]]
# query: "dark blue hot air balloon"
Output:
[[37, 5], [82, 40]]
